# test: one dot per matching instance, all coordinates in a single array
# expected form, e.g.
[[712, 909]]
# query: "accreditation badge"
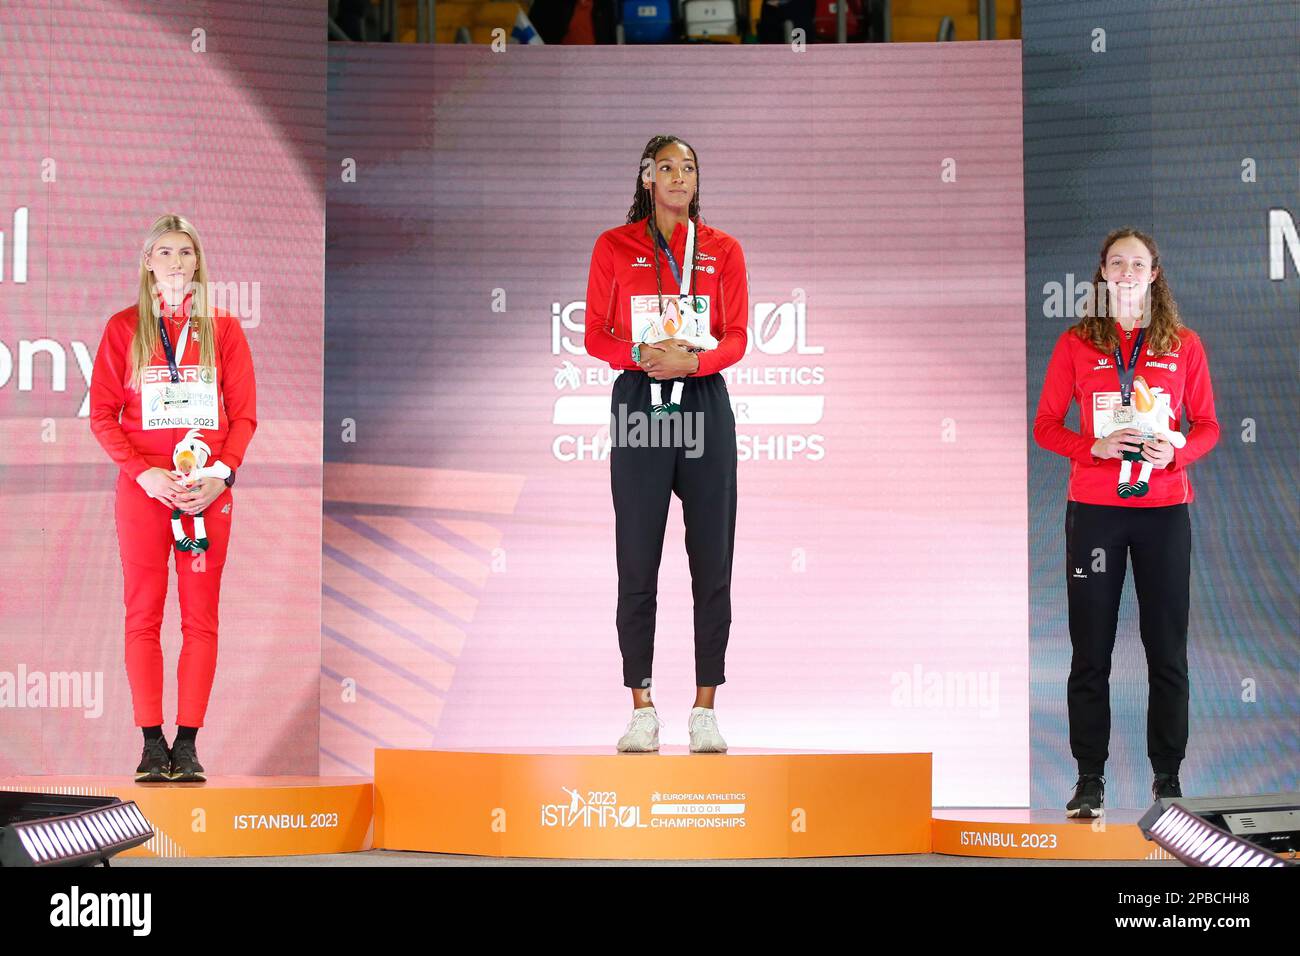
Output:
[[684, 317], [189, 403], [1105, 406]]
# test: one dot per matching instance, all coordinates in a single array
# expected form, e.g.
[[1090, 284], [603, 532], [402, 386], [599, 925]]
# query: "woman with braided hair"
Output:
[[670, 334]]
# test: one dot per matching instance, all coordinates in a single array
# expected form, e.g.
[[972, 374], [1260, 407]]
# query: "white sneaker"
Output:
[[705, 738], [642, 732]]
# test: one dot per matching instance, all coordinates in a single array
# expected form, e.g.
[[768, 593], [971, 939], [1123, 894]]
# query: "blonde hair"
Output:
[[147, 339], [1166, 323]]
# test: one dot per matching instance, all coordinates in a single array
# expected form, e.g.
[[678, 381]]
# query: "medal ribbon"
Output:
[[1126, 372], [167, 345], [683, 281]]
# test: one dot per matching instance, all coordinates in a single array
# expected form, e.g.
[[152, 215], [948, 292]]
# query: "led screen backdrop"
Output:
[[1182, 119], [879, 589], [115, 113]]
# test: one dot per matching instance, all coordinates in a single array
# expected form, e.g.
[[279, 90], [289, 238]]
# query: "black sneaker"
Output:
[[1087, 798], [155, 763], [1166, 785], [185, 763]]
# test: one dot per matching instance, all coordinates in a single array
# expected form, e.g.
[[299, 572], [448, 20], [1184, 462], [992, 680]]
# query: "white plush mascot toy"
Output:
[[1151, 417], [191, 460], [674, 325]]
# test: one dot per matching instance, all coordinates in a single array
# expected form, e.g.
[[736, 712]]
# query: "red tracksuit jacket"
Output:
[[1077, 371], [622, 265], [133, 448]]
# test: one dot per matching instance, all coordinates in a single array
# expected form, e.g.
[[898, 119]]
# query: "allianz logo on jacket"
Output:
[[1170, 366]]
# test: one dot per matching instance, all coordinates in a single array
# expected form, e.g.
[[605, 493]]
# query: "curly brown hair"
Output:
[[1099, 329]]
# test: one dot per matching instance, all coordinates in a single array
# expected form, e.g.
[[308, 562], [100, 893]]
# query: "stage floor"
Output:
[[404, 858]]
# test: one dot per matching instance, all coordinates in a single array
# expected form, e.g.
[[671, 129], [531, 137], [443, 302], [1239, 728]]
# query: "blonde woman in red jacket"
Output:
[[667, 273], [173, 400], [1134, 369]]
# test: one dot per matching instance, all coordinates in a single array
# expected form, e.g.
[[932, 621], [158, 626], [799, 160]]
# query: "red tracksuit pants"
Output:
[[145, 541]]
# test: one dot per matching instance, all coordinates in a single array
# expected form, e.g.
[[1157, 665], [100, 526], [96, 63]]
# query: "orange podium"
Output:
[[234, 816], [1042, 835], [594, 803]]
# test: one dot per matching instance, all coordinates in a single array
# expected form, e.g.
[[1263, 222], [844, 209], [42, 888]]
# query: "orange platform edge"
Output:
[[234, 816], [1042, 835], [576, 803]]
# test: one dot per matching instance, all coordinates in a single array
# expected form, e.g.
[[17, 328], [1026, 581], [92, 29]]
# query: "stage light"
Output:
[[1199, 843], [41, 829]]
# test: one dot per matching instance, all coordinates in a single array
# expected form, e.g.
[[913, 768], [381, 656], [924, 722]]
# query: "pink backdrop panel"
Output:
[[879, 589], [115, 113]]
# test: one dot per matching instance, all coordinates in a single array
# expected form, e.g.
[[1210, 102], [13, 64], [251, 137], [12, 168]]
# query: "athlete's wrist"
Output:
[[219, 469]]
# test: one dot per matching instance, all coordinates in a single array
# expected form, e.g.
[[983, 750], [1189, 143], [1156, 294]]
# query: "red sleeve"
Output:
[[1198, 400], [1053, 404], [238, 392], [600, 303], [734, 285], [108, 398]]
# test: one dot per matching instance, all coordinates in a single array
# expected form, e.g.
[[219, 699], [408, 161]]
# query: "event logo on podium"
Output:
[[600, 809]]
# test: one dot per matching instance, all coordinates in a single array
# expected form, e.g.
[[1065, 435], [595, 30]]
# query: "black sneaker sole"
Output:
[[1085, 812], [152, 776], [191, 777]]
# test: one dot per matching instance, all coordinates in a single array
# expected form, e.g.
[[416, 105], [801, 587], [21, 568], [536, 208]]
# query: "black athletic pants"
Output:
[[1098, 539], [698, 464]]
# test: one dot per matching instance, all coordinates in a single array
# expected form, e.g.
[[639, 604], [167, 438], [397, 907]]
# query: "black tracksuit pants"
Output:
[[698, 464], [1098, 539]]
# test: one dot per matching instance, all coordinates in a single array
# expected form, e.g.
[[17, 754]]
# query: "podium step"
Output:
[[1042, 835], [593, 803], [234, 816]]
